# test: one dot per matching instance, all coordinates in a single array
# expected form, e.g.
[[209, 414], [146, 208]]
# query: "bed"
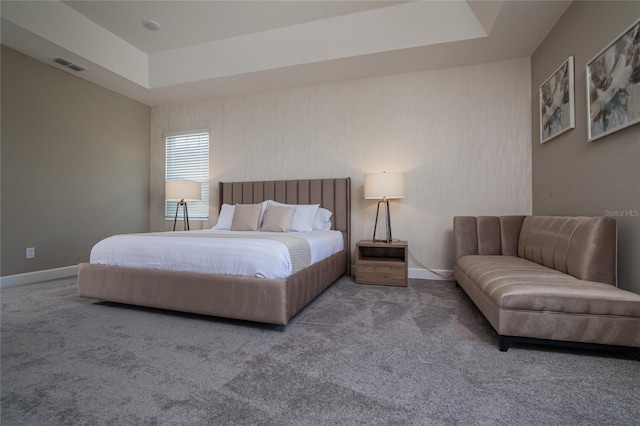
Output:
[[267, 300]]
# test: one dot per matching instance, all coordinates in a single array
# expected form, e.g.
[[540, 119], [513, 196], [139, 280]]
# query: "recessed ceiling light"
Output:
[[151, 25]]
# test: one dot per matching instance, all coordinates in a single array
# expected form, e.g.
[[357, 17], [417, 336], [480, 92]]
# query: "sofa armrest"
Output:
[[486, 235]]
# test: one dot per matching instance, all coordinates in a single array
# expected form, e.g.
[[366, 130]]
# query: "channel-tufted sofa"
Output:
[[546, 279]]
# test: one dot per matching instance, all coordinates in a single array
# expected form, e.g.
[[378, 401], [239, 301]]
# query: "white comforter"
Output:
[[253, 257]]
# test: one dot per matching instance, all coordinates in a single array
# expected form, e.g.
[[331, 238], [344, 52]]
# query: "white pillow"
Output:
[[225, 217], [303, 217], [322, 220], [262, 210]]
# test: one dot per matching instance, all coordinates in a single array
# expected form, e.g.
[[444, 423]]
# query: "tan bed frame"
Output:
[[246, 298]]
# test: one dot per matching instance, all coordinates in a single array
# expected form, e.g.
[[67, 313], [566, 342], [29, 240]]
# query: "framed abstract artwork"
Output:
[[557, 105], [613, 85]]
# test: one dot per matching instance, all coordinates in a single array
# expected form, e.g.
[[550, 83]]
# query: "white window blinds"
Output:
[[188, 159]]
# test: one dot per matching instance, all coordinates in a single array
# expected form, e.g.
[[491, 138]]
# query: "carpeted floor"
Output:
[[358, 354]]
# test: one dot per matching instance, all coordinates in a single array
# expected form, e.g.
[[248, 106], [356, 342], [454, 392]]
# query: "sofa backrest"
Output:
[[585, 247], [486, 235]]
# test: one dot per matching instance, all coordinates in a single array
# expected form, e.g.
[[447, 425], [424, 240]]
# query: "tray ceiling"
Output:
[[205, 49]]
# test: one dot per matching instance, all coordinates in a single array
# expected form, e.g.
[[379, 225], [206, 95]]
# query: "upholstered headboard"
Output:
[[332, 194]]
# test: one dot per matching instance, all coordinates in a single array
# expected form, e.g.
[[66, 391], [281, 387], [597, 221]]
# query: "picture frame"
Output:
[[557, 102], [613, 85]]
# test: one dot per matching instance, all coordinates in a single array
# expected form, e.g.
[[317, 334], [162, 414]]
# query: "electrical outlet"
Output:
[[31, 252]]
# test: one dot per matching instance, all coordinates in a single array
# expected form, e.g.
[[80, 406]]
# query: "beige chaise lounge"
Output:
[[546, 277]]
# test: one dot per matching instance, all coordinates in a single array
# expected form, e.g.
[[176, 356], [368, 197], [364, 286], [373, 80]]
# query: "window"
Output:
[[188, 159]]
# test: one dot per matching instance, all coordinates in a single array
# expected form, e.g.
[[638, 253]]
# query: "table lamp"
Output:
[[384, 187]]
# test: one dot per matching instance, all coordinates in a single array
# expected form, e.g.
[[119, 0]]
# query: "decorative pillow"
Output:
[[303, 217], [246, 217], [225, 217], [277, 218], [322, 220]]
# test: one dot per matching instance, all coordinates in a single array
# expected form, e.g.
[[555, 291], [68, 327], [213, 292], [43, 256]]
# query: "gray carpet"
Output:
[[358, 354]]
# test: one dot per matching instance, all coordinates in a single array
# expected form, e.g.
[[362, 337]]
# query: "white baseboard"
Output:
[[424, 274], [70, 271], [37, 276]]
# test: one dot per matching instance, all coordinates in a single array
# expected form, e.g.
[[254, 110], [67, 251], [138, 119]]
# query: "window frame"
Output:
[[182, 169]]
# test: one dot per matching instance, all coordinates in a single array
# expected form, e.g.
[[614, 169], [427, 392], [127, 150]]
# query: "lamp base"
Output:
[[185, 215], [388, 222]]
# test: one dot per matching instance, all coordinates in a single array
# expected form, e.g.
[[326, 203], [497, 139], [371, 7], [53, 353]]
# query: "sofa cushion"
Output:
[[519, 284]]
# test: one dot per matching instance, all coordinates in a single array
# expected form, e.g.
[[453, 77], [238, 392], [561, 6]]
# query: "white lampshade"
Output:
[[187, 190], [384, 185]]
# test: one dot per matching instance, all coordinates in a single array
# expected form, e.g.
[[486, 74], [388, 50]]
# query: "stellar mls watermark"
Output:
[[622, 213]]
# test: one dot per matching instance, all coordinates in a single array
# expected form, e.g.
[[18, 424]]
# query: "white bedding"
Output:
[[253, 257]]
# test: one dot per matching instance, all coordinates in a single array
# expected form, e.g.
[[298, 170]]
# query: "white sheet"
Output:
[[253, 257]]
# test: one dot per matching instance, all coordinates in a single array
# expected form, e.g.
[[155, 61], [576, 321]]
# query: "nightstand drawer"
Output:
[[381, 272]]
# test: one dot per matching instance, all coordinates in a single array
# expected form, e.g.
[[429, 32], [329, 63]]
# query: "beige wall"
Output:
[[570, 175], [75, 165], [462, 135]]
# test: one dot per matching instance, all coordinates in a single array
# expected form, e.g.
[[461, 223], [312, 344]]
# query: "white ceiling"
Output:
[[207, 21], [216, 48]]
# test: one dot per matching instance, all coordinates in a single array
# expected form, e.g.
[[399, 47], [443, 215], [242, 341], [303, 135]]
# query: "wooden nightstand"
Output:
[[382, 263]]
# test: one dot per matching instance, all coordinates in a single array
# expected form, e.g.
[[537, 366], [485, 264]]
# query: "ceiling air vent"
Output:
[[61, 61], [75, 67], [68, 64]]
